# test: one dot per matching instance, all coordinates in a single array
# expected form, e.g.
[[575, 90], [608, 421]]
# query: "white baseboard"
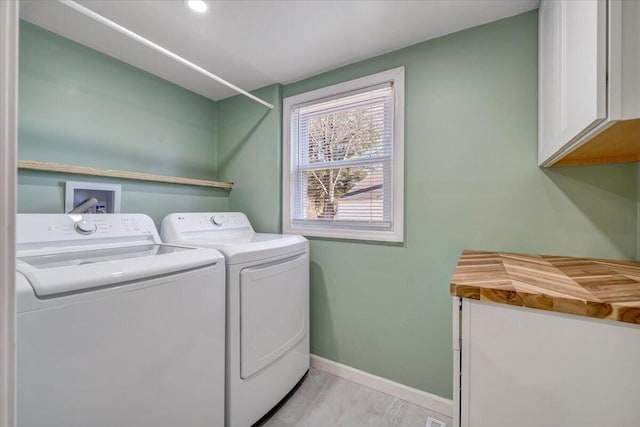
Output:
[[392, 388]]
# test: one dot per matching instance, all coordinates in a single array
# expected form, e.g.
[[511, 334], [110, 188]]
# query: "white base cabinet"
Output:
[[530, 368]]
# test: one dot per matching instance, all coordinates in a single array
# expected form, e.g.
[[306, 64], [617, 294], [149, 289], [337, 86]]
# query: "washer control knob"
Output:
[[85, 226], [216, 220]]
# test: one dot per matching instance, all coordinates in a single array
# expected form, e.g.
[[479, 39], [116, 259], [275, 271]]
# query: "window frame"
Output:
[[394, 76]]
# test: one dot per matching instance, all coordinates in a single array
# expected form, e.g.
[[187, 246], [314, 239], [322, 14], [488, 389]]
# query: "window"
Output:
[[344, 159]]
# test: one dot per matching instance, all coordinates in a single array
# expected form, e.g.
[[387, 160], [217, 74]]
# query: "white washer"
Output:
[[267, 307], [115, 328]]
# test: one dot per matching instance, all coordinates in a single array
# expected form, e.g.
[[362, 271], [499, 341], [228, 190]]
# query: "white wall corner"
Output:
[[638, 212], [9, 27], [417, 397]]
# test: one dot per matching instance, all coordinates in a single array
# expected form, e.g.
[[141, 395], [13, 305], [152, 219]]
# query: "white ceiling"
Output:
[[256, 43]]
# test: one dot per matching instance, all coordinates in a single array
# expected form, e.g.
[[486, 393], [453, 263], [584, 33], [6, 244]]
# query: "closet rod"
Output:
[[119, 28]]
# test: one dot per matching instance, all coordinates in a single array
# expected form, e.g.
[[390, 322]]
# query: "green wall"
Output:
[[80, 107], [471, 182], [470, 176], [250, 154]]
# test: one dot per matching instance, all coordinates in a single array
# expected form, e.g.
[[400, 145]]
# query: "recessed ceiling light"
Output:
[[197, 5]]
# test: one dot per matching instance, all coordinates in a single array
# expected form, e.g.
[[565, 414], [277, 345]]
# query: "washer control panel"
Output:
[[207, 221], [41, 228]]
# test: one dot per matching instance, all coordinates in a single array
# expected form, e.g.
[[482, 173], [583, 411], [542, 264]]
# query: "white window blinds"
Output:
[[343, 157], [343, 147]]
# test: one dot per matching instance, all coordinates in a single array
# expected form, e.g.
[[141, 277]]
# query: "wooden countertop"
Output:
[[597, 288]]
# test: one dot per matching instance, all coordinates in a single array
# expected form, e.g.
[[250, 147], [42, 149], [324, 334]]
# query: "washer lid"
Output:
[[253, 246], [64, 272]]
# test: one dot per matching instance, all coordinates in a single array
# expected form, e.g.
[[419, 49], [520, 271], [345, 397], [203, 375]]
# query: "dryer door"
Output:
[[274, 311]]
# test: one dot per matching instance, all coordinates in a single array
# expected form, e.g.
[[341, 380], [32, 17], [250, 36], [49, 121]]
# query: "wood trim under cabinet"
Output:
[[618, 143], [112, 173]]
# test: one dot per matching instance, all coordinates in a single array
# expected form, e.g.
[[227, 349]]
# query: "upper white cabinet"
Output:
[[588, 82]]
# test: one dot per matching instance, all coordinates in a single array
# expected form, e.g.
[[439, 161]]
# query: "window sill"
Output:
[[368, 235]]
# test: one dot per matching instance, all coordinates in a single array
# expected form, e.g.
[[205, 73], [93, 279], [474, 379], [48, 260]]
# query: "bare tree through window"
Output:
[[344, 153]]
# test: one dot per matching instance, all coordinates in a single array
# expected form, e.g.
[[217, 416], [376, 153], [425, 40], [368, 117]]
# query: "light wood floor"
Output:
[[324, 400]]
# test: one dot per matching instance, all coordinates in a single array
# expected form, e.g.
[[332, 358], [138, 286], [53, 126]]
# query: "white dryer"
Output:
[[115, 328], [267, 307]]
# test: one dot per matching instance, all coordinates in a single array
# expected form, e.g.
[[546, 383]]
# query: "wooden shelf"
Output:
[[111, 173]]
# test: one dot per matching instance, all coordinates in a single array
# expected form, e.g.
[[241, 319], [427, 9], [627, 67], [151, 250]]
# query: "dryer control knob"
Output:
[[216, 220], [85, 226]]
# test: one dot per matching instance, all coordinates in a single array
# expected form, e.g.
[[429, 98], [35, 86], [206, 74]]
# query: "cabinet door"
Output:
[[524, 367], [572, 71], [548, 79], [583, 52]]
